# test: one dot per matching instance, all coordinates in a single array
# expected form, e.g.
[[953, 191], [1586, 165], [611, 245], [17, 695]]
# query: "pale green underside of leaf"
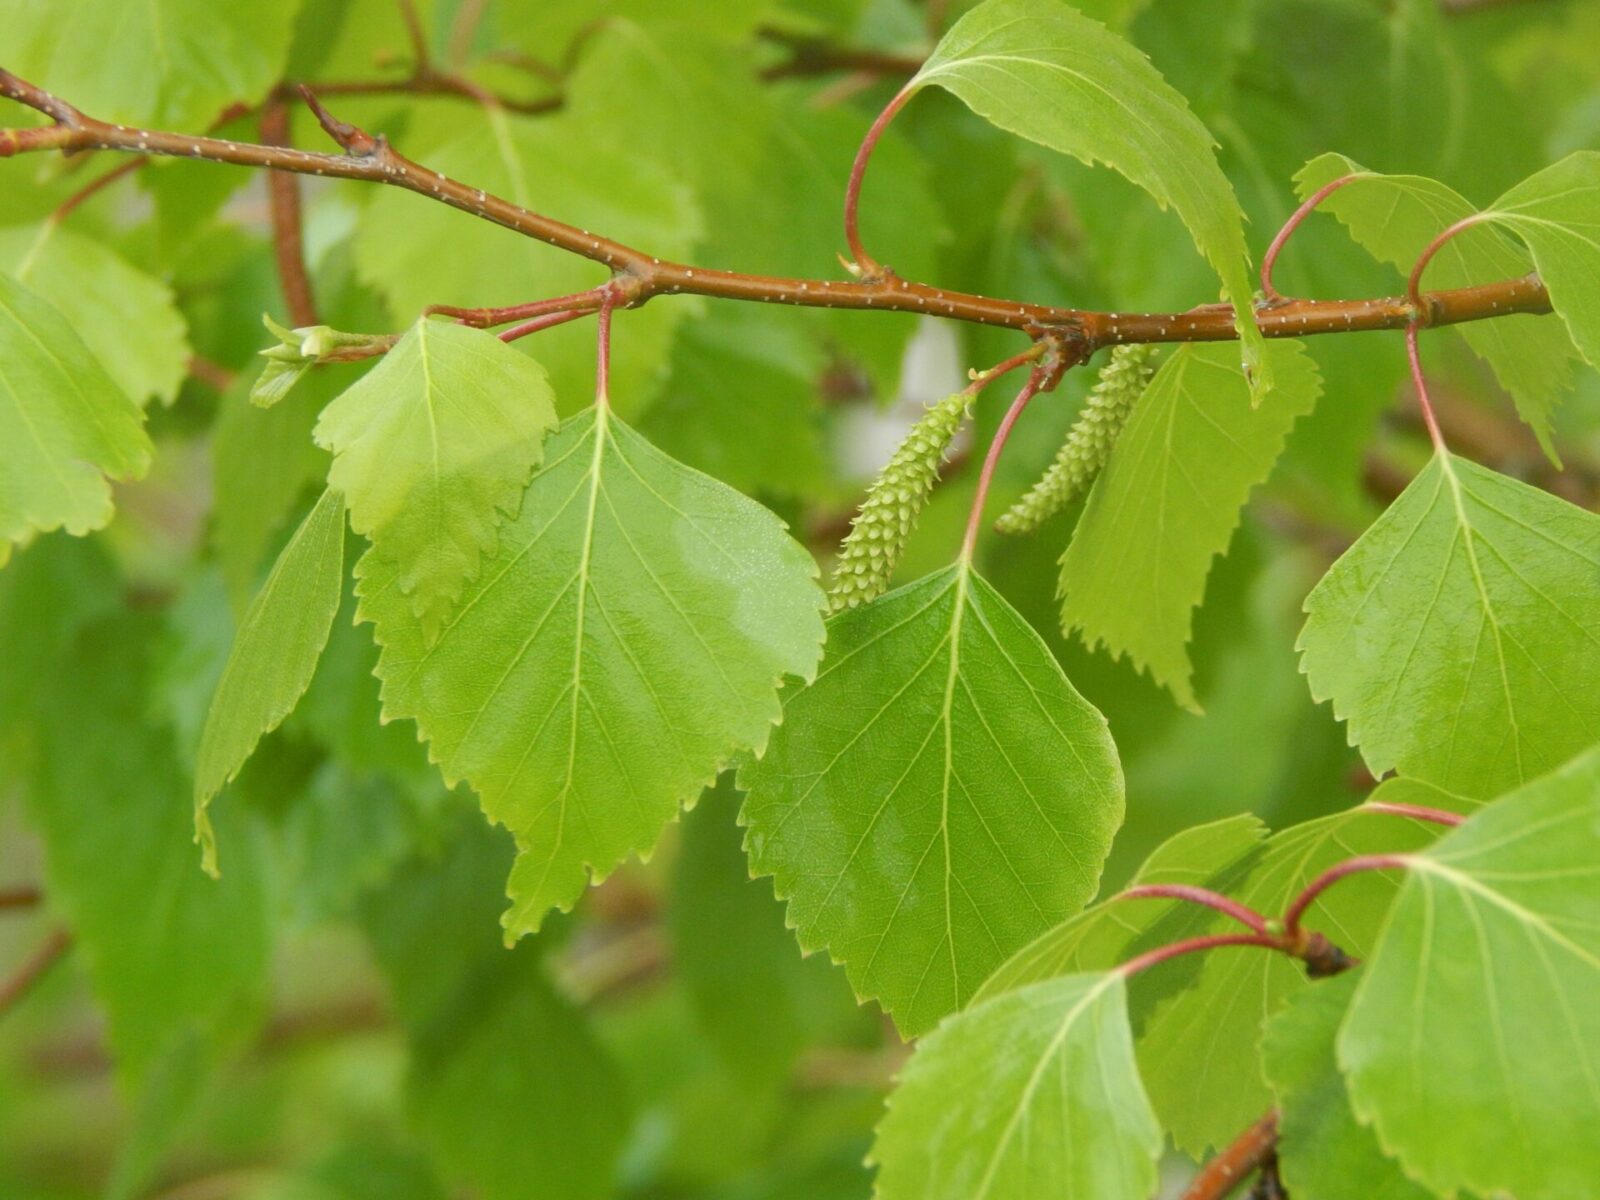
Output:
[[1394, 217], [168, 64], [1324, 1153], [940, 795], [1169, 500], [1032, 1094], [1114, 930], [65, 425], [1198, 1050], [433, 449], [1460, 636], [128, 319], [559, 165], [1039, 69], [1473, 1041], [274, 655], [627, 640], [1556, 212]]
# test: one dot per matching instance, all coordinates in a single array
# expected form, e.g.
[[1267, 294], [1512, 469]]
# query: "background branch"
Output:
[[33, 968]]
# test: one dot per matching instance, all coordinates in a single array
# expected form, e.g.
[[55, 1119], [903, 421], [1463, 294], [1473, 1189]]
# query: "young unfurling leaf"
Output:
[[889, 513], [1089, 441]]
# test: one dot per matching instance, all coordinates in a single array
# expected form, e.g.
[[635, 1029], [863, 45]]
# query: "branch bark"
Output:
[[1237, 1162], [639, 276], [288, 242]]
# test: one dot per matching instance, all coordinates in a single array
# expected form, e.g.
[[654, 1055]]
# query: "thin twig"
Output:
[[1350, 866], [1419, 812], [1235, 1163], [1161, 954], [1246, 916], [25, 896], [33, 968], [539, 324], [1270, 259], [288, 242], [1036, 381], [862, 264]]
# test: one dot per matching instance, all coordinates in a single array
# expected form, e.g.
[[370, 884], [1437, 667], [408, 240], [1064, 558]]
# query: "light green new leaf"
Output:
[[561, 165], [1394, 217], [433, 449], [1458, 636], [1169, 500], [169, 64], [127, 318], [1556, 212], [939, 796], [262, 461], [1473, 1041], [273, 656], [1042, 70], [627, 640], [1114, 930], [64, 423], [1324, 1153], [1034, 1093], [1198, 1050]]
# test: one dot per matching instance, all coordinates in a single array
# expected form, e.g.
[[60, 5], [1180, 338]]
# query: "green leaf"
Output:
[[1198, 1050], [432, 451], [1324, 1153], [507, 1083], [119, 867], [1395, 217], [1473, 1041], [274, 655], [129, 320], [1457, 636], [1114, 930], [64, 424], [740, 403], [939, 796], [1033, 1094], [1556, 213], [563, 166], [627, 640], [262, 462], [1169, 499], [1041, 70], [509, 1087], [169, 64], [757, 1002]]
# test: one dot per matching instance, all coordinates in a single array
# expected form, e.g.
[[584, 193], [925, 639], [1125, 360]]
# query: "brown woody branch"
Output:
[[638, 276], [20, 897], [288, 242], [1235, 1163], [33, 968]]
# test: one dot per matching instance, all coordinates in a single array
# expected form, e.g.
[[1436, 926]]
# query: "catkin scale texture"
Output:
[[1088, 443], [889, 513]]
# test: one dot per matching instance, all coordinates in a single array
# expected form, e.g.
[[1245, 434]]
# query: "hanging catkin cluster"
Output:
[[889, 513], [1089, 441]]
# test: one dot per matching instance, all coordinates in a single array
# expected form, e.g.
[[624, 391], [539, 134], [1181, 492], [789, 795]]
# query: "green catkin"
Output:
[[889, 513], [1122, 380]]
